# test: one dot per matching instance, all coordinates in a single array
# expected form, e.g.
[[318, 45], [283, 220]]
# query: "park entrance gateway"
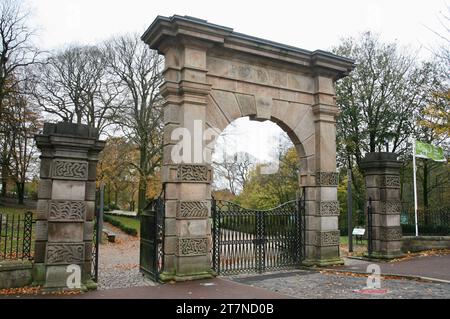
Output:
[[213, 76]]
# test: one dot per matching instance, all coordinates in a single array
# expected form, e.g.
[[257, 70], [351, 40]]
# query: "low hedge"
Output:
[[118, 224]]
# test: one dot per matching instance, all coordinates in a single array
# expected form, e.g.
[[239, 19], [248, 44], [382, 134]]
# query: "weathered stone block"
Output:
[[191, 246], [68, 211], [90, 191], [192, 209], [65, 232], [45, 189], [41, 232], [186, 228], [69, 169], [39, 251], [68, 190], [327, 238], [88, 231], [327, 178], [41, 209], [90, 210], [65, 253]]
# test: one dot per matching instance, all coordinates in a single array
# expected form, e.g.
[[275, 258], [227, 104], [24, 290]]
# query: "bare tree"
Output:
[[16, 53], [26, 125], [234, 170], [73, 85], [138, 69]]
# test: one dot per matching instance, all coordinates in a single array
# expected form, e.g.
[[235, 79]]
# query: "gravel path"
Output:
[[119, 262], [314, 284]]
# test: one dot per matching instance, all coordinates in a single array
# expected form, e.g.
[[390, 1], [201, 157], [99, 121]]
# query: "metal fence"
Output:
[[433, 221], [16, 236]]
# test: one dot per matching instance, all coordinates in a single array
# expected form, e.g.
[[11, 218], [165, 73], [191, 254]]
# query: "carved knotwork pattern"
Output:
[[328, 238], [70, 169], [192, 246], [391, 233], [391, 207], [193, 210], [327, 178], [328, 208], [67, 210], [65, 253], [192, 173], [390, 181]]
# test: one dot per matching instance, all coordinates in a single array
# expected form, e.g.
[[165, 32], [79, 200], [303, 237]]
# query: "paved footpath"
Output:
[[119, 262], [333, 285], [437, 267]]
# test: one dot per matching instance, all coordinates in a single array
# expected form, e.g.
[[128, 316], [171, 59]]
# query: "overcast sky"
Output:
[[311, 24]]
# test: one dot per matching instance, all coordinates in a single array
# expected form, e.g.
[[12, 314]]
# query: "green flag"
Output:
[[429, 151]]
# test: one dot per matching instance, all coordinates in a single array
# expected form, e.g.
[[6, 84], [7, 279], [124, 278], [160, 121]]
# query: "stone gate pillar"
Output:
[[382, 178], [66, 202], [186, 172], [322, 206]]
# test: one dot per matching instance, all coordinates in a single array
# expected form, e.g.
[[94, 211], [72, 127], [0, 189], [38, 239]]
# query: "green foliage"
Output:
[[265, 191], [128, 225]]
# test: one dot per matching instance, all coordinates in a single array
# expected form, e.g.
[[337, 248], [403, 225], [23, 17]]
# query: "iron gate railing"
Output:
[[16, 236], [95, 246], [151, 255], [247, 240]]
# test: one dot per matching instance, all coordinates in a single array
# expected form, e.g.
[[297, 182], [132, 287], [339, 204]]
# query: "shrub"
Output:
[[118, 224]]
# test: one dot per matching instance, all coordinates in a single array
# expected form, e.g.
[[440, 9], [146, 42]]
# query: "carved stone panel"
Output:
[[59, 253], [390, 233], [328, 238], [192, 209], [192, 246], [192, 173], [327, 178], [390, 181], [391, 207], [69, 169], [70, 211], [328, 208]]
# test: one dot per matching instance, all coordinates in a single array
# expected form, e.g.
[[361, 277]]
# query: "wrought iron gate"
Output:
[[246, 240], [151, 256], [95, 245]]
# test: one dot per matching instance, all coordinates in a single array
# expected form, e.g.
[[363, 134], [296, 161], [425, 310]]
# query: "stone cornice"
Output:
[[168, 28]]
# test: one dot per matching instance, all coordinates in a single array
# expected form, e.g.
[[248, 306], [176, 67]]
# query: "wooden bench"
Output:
[[110, 235]]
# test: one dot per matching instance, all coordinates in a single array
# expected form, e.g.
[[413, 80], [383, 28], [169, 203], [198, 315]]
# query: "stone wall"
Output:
[[420, 243], [15, 274]]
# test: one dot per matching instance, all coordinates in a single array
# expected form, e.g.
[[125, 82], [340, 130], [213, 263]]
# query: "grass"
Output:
[[344, 241], [126, 222], [14, 210]]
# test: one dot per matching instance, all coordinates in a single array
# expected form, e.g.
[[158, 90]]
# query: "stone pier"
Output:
[[66, 203], [382, 178]]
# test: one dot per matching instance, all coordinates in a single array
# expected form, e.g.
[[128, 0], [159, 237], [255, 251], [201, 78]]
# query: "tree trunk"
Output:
[[4, 180], [142, 180], [20, 192]]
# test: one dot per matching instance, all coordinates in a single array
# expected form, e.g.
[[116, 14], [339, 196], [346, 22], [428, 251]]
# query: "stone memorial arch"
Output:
[[213, 76]]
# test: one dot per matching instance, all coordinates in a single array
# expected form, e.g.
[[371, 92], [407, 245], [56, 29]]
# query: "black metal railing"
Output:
[[16, 236], [247, 240], [432, 221]]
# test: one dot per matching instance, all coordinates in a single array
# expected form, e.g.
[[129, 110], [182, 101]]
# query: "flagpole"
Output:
[[414, 180]]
